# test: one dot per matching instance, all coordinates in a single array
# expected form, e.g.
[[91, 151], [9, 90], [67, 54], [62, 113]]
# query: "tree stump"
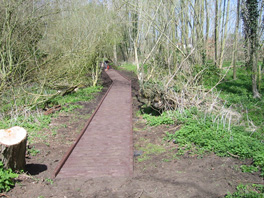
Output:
[[13, 147]]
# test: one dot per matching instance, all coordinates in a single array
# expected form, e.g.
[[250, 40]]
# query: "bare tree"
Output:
[[225, 19], [234, 54], [207, 28], [21, 25], [216, 34]]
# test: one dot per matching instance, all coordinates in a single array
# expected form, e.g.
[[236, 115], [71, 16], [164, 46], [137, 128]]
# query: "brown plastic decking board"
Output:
[[105, 148]]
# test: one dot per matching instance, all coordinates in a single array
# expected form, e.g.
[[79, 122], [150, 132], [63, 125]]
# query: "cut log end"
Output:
[[12, 136], [13, 147]]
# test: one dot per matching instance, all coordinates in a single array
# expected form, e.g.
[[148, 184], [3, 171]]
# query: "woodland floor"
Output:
[[158, 173]]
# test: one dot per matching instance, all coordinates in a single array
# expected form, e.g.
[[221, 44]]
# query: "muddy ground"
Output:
[[158, 172]]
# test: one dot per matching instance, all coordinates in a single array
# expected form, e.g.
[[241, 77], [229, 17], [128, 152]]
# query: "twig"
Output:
[[178, 69], [175, 128], [3, 195], [140, 193], [235, 156]]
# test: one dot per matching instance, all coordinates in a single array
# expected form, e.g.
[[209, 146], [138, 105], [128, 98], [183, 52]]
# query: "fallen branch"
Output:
[[235, 156], [3, 195]]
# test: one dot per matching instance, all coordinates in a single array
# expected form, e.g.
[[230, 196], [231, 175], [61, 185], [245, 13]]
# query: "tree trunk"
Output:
[[216, 32], [140, 77], [234, 55], [182, 24], [13, 147], [259, 34], [203, 51], [224, 34], [207, 30], [259, 77], [115, 54], [254, 56], [250, 19]]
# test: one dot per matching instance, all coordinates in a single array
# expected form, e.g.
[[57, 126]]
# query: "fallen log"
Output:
[[13, 147]]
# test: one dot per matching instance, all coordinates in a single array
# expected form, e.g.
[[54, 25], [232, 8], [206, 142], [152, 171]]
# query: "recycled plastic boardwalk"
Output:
[[105, 148]]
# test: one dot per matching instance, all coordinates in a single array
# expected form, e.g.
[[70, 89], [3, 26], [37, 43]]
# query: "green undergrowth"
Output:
[[6, 178], [238, 93], [199, 134], [129, 67], [85, 94], [35, 121], [17, 98], [248, 169], [248, 191], [164, 118], [201, 131]]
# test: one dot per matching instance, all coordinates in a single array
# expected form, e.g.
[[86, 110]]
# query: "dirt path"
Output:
[[158, 173], [106, 147]]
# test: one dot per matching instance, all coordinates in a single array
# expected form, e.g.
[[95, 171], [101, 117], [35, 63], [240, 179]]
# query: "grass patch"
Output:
[[85, 94], [150, 149], [129, 67], [248, 191], [133, 68], [33, 151]]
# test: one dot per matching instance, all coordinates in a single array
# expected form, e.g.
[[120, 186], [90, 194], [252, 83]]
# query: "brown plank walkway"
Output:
[[105, 148]]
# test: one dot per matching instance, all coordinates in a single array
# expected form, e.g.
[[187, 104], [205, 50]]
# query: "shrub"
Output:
[[6, 178]]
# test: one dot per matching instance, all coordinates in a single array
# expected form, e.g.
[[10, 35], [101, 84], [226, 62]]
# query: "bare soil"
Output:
[[161, 173]]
